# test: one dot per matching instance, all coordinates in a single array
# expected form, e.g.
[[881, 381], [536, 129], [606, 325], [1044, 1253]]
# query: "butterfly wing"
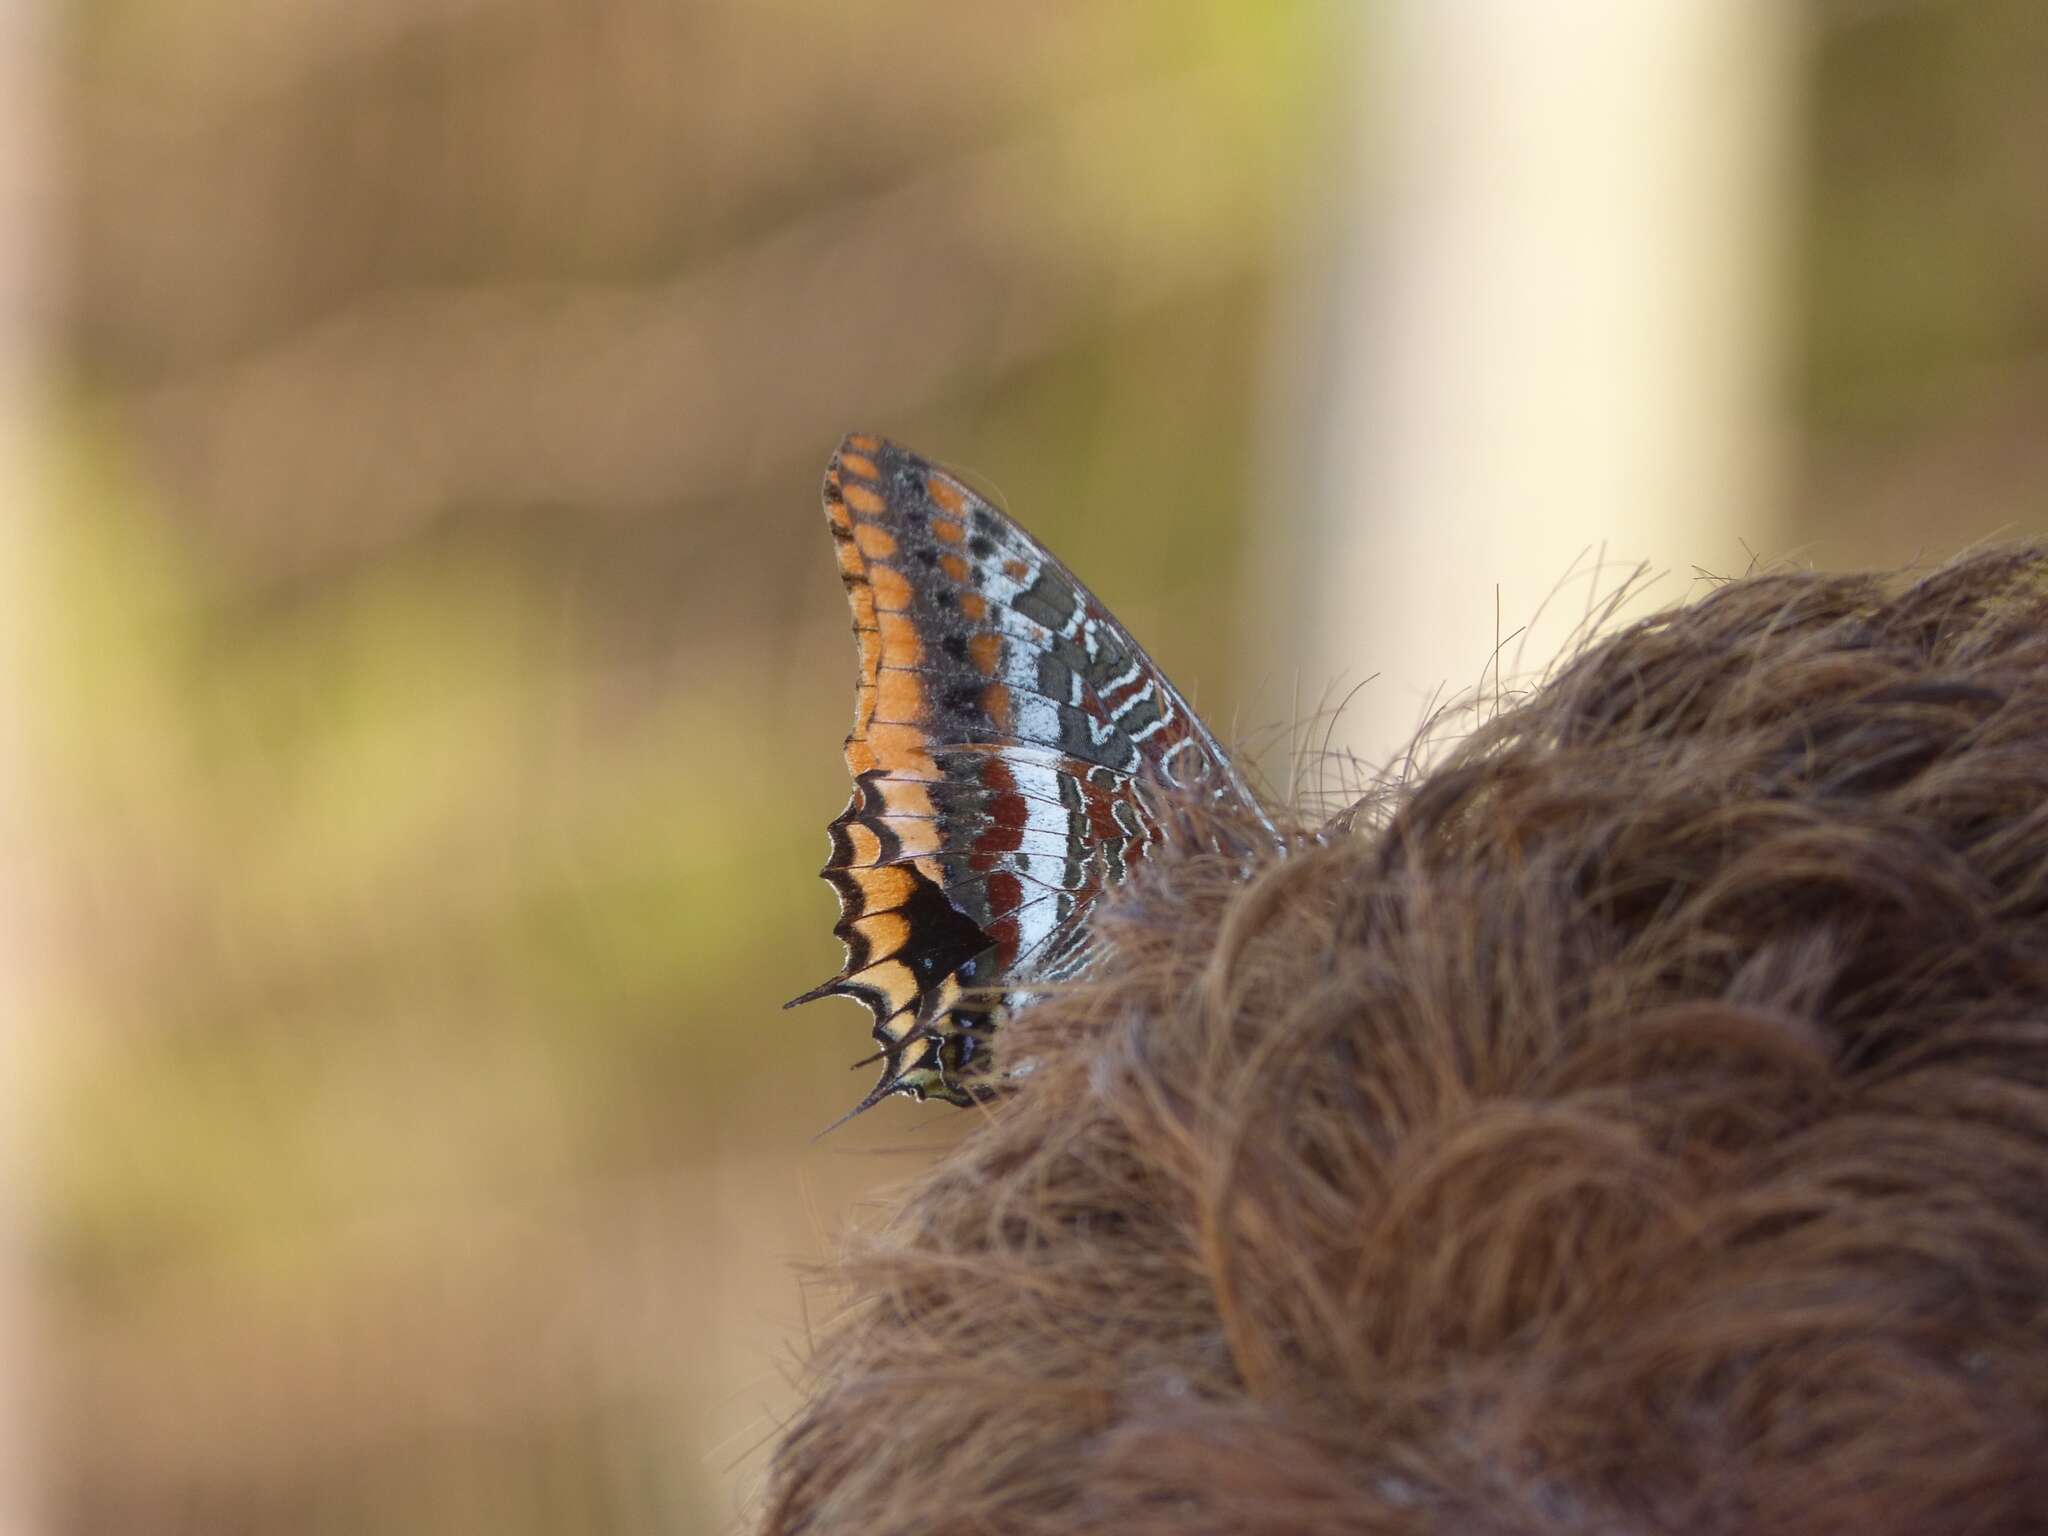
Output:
[[1008, 746]]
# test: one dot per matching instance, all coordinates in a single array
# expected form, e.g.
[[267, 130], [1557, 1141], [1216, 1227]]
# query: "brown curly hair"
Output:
[[1637, 1122]]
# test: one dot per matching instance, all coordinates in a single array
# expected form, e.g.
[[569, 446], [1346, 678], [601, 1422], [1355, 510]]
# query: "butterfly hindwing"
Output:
[[1009, 741]]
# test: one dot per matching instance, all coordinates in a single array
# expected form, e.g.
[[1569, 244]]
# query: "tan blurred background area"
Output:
[[425, 668]]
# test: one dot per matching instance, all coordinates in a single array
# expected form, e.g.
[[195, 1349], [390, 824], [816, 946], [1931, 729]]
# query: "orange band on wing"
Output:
[[889, 700], [885, 932], [885, 887]]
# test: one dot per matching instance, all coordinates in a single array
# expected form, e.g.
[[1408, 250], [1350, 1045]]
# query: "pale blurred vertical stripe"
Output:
[[23, 210], [1560, 328]]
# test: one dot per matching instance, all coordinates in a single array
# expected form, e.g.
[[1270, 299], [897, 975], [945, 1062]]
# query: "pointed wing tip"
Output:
[[878, 451], [866, 444], [823, 989], [891, 1084]]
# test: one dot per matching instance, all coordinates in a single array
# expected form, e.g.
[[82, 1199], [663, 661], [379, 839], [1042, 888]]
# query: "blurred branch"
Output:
[[352, 435]]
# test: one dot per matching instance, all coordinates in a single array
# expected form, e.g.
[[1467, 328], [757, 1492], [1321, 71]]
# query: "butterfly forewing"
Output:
[[1008, 745]]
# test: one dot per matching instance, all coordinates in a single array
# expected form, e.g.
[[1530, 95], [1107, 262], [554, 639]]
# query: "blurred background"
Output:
[[425, 668]]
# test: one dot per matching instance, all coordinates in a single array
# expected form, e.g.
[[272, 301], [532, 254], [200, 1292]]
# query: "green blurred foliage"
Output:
[[1922, 322], [1929, 255]]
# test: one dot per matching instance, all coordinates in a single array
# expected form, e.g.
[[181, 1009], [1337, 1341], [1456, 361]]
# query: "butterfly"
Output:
[[1014, 754]]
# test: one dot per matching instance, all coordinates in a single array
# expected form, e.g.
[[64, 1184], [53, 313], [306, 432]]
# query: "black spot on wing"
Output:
[[942, 938]]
